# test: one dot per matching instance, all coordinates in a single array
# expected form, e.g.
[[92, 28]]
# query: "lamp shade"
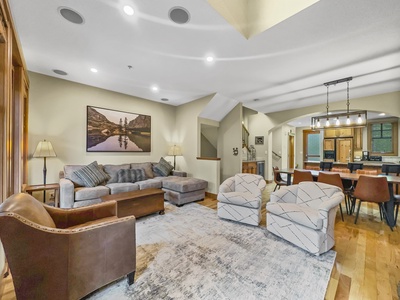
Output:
[[175, 150], [44, 149]]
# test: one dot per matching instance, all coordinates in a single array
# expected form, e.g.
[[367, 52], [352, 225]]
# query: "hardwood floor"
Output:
[[367, 262]]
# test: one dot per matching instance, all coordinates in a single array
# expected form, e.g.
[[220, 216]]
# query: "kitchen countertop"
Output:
[[365, 162]]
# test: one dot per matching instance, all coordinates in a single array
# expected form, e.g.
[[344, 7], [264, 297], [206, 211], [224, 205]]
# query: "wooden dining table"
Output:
[[391, 179]]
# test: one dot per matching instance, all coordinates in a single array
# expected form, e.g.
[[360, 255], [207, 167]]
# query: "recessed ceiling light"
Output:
[[129, 10], [154, 88], [382, 114], [60, 72], [71, 15], [94, 70], [179, 15], [256, 99], [209, 59], [164, 99]]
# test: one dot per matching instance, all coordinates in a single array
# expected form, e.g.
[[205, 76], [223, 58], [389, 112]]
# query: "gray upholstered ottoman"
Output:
[[181, 190]]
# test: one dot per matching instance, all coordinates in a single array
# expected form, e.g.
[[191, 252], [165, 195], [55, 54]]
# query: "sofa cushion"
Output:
[[146, 166], [150, 184], [116, 188], [87, 193], [112, 171], [28, 207], [91, 175], [131, 175], [302, 215], [163, 167], [69, 174]]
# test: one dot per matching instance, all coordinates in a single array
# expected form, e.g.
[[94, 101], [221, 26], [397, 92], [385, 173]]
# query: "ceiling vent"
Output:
[[179, 15], [71, 15], [60, 72]]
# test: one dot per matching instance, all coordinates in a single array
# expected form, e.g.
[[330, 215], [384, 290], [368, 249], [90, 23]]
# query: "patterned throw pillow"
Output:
[[163, 167], [131, 175], [91, 175]]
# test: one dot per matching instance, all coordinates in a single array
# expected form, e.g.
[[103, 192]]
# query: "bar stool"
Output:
[[325, 165], [278, 179], [333, 179], [372, 189], [300, 176], [353, 166]]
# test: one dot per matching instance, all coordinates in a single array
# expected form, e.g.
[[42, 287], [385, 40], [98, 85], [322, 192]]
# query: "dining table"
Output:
[[391, 179]]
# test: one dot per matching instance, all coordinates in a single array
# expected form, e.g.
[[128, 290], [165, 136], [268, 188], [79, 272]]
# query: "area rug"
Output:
[[189, 253]]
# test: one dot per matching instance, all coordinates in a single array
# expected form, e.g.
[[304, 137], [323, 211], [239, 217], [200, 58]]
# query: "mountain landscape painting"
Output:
[[116, 131]]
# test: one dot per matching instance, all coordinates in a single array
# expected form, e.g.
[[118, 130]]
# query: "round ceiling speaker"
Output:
[[179, 15], [71, 15], [164, 99]]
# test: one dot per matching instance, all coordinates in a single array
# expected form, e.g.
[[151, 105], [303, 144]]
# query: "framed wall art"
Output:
[[259, 140], [117, 131]]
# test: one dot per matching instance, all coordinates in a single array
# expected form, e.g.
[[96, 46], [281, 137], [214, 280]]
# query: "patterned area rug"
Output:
[[189, 253]]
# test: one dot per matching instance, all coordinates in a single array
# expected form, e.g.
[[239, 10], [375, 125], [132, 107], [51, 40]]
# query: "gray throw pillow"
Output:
[[131, 175], [91, 175], [163, 167]]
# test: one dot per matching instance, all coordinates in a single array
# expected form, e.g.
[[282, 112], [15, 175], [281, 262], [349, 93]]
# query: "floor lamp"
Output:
[[175, 151], [44, 149]]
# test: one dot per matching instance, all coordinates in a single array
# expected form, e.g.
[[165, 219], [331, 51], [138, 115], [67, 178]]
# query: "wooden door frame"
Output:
[[291, 150]]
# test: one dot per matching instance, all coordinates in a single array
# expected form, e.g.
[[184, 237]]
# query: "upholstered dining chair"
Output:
[[278, 179], [299, 176], [372, 189], [65, 254], [304, 214], [333, 179], [239, 198]]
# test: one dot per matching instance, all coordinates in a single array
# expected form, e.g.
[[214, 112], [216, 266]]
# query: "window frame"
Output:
[[394, 122]]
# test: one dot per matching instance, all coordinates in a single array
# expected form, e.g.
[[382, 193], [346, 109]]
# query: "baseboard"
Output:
[[211, 195]]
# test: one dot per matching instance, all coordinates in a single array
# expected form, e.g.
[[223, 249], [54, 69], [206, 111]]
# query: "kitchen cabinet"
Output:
[[329, 144], [358, 141], [340, 132], [249, 167]]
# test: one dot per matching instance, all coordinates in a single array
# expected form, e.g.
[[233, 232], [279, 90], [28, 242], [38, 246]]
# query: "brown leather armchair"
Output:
[[65, 254]]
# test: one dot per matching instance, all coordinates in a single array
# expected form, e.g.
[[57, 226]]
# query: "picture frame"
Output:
[[109, 130], [259, 140]]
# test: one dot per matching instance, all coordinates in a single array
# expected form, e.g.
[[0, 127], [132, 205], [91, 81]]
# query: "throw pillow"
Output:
[[163, 167], [91, 175], [131, 175]]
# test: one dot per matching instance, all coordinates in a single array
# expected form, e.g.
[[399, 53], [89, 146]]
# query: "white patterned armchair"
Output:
[[239, 198], [304, 214]]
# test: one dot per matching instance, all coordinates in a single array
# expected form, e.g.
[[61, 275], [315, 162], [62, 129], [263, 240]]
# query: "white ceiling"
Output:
[[284, 67]]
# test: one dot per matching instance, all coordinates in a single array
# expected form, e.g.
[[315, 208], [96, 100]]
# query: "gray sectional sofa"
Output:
[[178, 188]]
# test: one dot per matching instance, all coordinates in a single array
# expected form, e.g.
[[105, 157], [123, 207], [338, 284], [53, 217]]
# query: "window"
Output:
[[383, 137]]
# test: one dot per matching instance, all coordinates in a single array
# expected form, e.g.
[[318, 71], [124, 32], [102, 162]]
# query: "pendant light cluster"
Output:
[[347, 119]]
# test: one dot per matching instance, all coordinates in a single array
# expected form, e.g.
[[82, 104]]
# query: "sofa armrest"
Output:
[[67, 193], [179, 173], [64, 218], [287, 194]]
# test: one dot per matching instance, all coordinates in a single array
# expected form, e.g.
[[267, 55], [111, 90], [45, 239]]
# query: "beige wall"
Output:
[[57, 112]]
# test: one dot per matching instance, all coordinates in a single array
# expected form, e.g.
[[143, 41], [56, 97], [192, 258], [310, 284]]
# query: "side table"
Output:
[[43, 188]]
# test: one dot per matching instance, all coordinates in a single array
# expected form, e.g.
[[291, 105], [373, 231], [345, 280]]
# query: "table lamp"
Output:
[[44, 149], [175, 151]]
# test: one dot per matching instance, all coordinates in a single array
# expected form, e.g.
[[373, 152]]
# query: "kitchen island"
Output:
[[367, 165]]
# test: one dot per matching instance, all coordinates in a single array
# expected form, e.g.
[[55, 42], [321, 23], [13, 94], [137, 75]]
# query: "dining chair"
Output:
[[315, 168], [372, 189], [340, 170], [300, 176], [367, 172], [333, 179], [278, 179]]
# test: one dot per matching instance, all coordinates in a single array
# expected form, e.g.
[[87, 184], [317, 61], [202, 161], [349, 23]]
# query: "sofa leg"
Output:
[[131, 278], [179, 205], [162, 212]]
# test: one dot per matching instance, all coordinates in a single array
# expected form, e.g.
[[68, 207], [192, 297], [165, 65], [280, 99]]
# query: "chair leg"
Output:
[[358, 210], [380, 211], [341, 211], [385, 215], [275, 187], [131, 278], [397, 212]]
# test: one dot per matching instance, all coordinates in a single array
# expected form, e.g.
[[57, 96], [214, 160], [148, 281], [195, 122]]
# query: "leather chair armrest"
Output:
[[64, 218], [67, 193]]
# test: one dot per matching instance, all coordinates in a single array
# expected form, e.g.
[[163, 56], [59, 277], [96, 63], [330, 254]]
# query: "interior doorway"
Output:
[[344, 149]]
